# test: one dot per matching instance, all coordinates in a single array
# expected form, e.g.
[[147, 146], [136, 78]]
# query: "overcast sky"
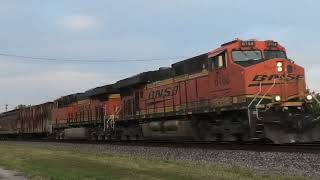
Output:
[[140, 29]]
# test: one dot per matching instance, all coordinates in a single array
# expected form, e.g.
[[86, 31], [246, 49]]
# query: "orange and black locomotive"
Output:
[[241, 91]]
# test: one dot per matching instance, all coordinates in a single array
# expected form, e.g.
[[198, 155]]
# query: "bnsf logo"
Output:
[[288, 77], [169, 91]]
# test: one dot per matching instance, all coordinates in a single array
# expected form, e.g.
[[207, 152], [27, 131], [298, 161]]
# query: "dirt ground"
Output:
[[11, 175]]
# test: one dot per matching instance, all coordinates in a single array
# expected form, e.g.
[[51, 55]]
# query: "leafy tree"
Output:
[[316, 102]]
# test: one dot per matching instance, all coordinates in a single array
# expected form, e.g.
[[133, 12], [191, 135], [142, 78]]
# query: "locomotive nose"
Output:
[[297, 125], [280, 79]]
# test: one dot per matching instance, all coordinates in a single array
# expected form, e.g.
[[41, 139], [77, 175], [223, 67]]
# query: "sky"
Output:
[[141, 29]]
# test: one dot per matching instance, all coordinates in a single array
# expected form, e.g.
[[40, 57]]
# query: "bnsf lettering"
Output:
[[274, 76], [169, 91], [292, 77], [260, 78], [289, 77], [300, 77]]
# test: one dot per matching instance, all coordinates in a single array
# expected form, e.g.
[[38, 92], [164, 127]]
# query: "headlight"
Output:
[[277, 98], [309, 97], [279, 66]]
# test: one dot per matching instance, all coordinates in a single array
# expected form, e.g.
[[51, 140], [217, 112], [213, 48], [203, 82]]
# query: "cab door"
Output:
[[220, 79]]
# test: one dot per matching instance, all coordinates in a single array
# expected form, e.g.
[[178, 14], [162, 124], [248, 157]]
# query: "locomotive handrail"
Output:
[[106, 122], [104, 119], [113, 116], [255, 97], [315, 97], [257, 112]]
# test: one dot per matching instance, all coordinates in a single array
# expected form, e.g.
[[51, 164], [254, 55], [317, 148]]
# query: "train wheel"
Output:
[[201, 130], [108, 138], [62, 137], [101, 137], [94, 137]]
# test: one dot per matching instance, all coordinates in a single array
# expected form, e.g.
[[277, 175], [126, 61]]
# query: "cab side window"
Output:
[[219, 61]]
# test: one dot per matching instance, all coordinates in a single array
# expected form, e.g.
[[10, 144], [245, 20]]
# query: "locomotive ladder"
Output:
[[252, 121], [109, 123], [315, 97], [256, 124]]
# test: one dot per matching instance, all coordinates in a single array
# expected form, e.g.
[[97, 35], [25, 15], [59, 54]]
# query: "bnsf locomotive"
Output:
[[241, 91]]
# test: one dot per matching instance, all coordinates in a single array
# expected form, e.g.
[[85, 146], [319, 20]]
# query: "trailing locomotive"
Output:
[[241, 91], [86, 115]]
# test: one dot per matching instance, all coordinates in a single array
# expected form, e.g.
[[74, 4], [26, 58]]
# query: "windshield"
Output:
[[246, 55], [274, 54]]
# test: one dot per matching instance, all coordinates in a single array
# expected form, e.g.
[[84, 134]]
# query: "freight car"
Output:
[[27, 122], [35, 121], [8, 124]]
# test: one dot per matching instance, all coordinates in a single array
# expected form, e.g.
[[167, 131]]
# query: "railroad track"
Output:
[[302, 148]]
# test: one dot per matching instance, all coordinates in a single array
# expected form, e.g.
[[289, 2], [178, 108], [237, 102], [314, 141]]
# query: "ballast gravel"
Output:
[[284, 163]]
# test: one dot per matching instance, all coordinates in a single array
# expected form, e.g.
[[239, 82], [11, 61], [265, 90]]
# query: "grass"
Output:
[[42, 163]]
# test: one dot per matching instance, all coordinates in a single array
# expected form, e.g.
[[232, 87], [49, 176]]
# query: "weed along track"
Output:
[[273, 162]]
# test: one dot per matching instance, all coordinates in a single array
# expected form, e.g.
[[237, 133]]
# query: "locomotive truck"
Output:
[[242, 91]]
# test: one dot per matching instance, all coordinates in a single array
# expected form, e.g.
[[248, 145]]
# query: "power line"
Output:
[[88, 60]]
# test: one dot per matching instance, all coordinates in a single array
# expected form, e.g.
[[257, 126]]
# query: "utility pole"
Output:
[[6, 107]]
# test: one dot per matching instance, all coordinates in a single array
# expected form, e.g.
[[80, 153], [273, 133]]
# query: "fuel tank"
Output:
[[168, 129], [75, 133]]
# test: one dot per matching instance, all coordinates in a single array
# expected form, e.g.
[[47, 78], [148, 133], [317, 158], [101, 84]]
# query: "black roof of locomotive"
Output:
[[191, 65], [106, 89], [71, 98], [145, 77]]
